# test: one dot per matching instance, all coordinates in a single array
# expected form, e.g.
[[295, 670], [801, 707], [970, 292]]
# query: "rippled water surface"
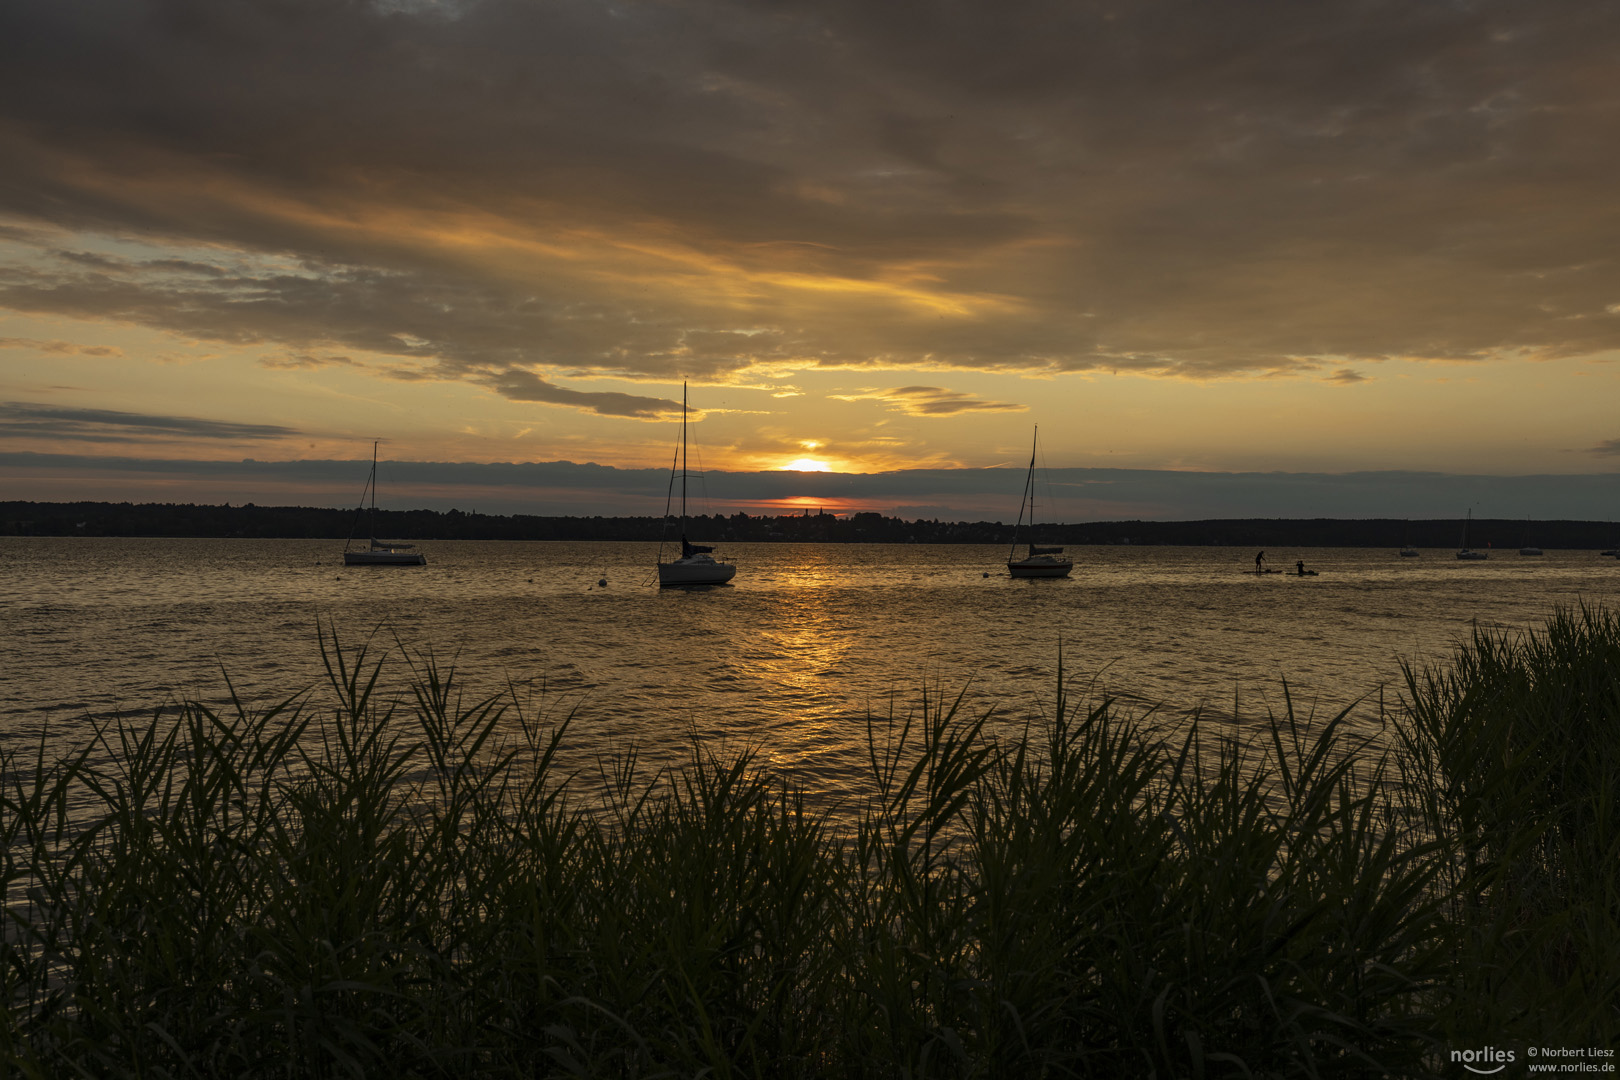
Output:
[[790, 658]]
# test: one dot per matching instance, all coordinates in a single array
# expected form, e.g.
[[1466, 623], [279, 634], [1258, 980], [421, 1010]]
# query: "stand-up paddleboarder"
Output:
[[1259, 562]]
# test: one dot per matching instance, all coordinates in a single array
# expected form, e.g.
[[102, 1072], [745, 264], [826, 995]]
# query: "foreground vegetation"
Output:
[[407, 887]]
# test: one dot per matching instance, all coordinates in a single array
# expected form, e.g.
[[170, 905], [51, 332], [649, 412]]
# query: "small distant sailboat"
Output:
[[1038, 561], [378, 552], [1529, 549], [1409, 552], [696, 565], [1464, 552]]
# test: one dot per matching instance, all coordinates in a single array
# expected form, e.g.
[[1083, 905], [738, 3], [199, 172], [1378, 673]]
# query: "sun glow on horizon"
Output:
[[805, 464]]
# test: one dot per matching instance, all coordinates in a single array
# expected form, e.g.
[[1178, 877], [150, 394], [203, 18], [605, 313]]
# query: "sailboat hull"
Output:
[[1039, 567], [384, 558], [692, 572]]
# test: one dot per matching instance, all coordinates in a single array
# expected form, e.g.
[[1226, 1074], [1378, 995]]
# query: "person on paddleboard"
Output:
[[1301, 567], [1259, 562]]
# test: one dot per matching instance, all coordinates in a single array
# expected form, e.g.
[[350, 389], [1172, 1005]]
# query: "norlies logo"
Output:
[[1485, 1062]]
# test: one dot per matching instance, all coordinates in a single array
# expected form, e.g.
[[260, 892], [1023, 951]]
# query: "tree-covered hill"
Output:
[[194, 520]]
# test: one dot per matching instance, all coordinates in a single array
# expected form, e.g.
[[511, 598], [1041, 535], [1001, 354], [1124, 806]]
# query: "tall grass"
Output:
[[366, 883], [1514, 752]]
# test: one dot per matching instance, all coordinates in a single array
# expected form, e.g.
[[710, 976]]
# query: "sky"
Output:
[[1233, 259]]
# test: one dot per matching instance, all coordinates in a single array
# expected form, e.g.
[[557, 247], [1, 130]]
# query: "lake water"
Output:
[[790, 658]]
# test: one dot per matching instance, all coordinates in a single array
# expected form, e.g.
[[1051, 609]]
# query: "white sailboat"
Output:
[[377, 552], [697, 564], [1528, 549], [1464, 552], [1045, 562]]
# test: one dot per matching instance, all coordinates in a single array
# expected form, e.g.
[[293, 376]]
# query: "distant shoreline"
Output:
[[187, 520]]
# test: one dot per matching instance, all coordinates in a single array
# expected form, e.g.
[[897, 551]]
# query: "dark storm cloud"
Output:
[[451, 331], [700, 186], [526, 386], [21, 419]]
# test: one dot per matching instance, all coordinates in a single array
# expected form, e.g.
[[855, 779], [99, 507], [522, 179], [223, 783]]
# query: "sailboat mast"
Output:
[[1028, 497], [373, 522], [1029, 480], [683, 462]]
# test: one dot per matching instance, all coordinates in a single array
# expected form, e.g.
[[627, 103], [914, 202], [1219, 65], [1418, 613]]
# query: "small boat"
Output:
[[1529, 549], [1409, 552], [385, 553], [696, 564], [377, 552], [1038, 561], [1464, 552]]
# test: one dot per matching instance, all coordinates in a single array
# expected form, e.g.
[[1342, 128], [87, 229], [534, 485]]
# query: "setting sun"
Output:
[[805, 464]]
